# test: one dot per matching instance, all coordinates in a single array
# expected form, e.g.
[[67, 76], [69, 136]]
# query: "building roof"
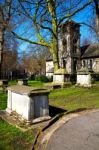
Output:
[[49, 57], [70, 22], [91, 51]]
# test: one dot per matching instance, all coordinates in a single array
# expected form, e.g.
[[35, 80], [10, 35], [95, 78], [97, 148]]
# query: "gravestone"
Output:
[[22, 82], [29, 102], [4, 84], [84, 77]]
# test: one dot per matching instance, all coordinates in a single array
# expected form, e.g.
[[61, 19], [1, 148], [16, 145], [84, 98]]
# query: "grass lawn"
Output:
[[70, 99], [73, 98], [13, 138], [3, 100], [30, 83], [35, 83]]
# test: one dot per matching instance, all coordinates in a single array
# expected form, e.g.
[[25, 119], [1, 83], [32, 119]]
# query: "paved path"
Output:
[[81, 133]]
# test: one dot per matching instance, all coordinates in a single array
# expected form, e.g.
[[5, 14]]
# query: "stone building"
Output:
[[71, 55]]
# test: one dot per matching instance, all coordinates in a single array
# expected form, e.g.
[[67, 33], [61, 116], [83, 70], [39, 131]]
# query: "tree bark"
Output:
[[1, 40], [96, 2]]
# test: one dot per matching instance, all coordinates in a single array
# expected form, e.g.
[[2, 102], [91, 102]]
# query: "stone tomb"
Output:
[[61, 76], [22, 82], [84, 77], [30, 103]]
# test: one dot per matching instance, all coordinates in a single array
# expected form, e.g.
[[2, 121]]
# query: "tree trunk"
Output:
[[55, 61], [97, 25], [1, 40], [96, 2], [1, 52], [54, 52]]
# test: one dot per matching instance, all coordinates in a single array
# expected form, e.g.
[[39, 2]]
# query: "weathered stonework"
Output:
[[84, 77], [29, 102], [22, 82], [61, 76], [49, 68]]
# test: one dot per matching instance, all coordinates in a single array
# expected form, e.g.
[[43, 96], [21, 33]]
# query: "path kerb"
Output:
[[44, 137]]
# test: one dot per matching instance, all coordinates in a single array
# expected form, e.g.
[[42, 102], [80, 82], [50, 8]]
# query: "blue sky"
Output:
[[83, 16], [26, 31]]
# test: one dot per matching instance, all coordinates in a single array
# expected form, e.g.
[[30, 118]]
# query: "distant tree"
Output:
[[30, 64], [10, 55], [5, 14], [46, 16]]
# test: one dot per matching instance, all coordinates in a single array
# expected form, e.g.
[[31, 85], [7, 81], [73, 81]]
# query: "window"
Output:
[[90, 64], [64, 64], [84, 63], [74, 45]]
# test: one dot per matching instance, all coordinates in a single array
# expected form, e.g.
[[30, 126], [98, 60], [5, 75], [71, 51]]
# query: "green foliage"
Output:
[[96, 77], [41, 78], [73, 79], [32, 77]]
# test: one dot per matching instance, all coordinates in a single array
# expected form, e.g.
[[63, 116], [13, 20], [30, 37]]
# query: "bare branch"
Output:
[[29, 41], [75, 12]]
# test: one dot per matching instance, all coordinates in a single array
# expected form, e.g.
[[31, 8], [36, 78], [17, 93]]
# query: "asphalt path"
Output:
[[81, 133]]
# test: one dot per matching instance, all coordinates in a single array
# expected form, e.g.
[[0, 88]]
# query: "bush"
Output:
[[41, 78], [32, 77], [50, 79], [73, 79], [96, 77]]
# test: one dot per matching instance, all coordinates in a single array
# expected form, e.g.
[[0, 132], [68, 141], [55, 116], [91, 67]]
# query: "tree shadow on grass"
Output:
[[53, 111]]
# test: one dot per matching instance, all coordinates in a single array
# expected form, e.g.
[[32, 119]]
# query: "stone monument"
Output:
[[84, 77], [29, 102]]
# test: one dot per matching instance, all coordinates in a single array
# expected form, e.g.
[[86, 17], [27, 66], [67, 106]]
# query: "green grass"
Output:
[[12, 82], [30, 83], [96, 82], [3, 100], [70, 99], [74, 98], [12, 138], [35, 83]]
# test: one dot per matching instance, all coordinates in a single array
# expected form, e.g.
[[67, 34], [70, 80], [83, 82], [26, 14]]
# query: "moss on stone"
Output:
[[84, 70], [61, 71]]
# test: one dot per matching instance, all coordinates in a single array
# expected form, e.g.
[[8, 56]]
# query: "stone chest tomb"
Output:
[[84, 77], [29, 102]]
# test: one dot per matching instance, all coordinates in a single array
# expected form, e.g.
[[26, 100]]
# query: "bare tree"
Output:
[[47, 15], [5, 9], [10, 55], [96, 3]]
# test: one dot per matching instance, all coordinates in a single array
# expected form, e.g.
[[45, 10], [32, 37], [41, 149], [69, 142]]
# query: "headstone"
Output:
[[22, 82], [84, 77], [4, 84], [31, 103]]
